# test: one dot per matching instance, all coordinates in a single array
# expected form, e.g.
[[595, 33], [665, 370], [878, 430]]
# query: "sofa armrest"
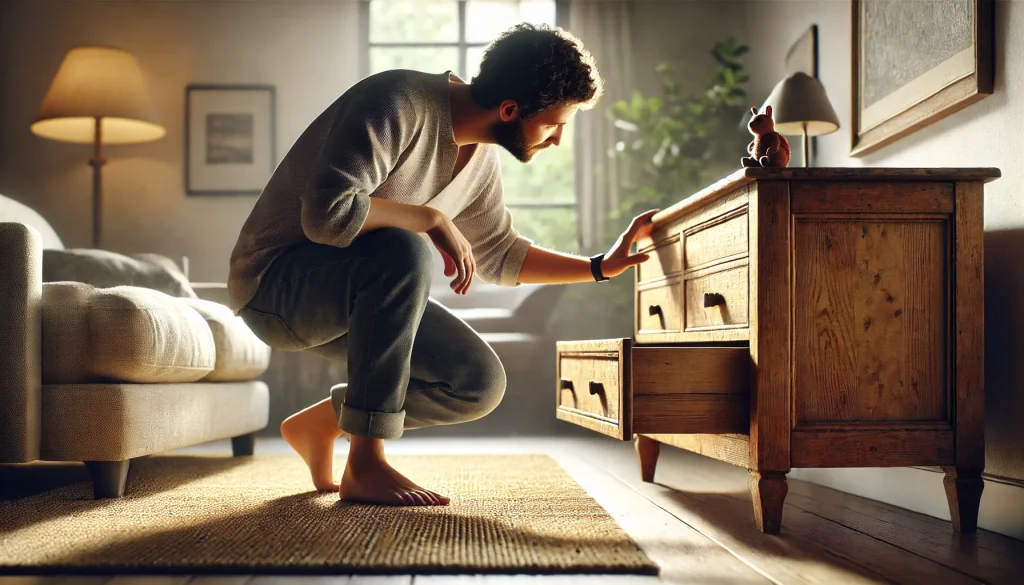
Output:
[[21, 294]]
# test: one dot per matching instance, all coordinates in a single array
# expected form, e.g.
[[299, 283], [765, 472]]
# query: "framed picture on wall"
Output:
[[914, 63], [229, 139], [802, 55]]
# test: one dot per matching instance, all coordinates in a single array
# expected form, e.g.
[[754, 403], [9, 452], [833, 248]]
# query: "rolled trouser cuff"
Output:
[[364, 423]]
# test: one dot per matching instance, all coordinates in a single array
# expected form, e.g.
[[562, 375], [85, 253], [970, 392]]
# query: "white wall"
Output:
[[985, 134], [307, 49]]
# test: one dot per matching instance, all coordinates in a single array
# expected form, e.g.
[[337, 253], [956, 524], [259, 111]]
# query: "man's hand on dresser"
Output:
[[619, 258], [544, 266]]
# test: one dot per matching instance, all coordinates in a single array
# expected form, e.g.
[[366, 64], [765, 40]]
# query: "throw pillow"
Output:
[[106, 269]]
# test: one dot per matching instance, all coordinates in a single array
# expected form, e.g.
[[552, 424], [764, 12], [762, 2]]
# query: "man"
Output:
[[334, 257]]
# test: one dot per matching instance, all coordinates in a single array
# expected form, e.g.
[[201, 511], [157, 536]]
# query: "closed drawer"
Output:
[[617, 388], [717, 299], [666, 260], [715, 241], [658, 308]]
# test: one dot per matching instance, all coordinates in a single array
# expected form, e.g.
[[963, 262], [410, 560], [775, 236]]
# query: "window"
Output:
[[437, 35]]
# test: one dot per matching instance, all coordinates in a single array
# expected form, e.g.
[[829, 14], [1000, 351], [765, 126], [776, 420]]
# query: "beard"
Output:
[[512, 136]]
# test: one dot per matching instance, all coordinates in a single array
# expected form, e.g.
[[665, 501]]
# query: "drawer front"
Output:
[[658, 308], [617, 388], [718, 240], [690, 389], [718, 300], [590, 383], [666, 260]]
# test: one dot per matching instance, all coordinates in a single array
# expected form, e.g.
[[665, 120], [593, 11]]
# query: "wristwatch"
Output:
[[595, 268]]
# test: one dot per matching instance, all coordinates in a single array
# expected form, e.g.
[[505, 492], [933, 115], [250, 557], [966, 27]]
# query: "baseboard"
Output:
[[920, 489]]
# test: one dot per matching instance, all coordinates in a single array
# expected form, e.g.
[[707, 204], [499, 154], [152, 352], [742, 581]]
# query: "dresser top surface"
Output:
[[747, 175], [869, 174]]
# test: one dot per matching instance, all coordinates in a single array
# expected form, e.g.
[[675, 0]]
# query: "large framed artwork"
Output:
[[229, 139], [916, 62]]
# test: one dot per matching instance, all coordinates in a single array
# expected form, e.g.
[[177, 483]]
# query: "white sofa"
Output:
[[106, 374]]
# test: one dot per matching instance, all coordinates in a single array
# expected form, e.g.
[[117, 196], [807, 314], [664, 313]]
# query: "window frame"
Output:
[[561, 20]]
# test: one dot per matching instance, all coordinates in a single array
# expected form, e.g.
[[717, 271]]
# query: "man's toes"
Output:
[[440, 499], [428, 497], [415, 499]]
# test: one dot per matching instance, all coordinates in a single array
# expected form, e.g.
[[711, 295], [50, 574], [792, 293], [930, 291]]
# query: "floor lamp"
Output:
[[800, 107], [98, 97]]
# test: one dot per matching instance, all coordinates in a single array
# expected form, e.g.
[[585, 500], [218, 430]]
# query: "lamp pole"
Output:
[[96, 162], [806, 142]]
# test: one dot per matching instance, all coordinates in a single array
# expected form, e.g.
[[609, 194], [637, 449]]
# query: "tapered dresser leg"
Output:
[[963, 492], [647, 449], [768, 490], [109, 478]]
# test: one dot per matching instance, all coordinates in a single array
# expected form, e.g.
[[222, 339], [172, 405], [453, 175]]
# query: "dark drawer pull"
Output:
[[566, 384], [596, 387], [654, 310], [713, 299]]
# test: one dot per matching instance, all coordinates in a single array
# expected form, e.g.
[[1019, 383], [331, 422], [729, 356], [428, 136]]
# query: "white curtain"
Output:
[[603, 26]]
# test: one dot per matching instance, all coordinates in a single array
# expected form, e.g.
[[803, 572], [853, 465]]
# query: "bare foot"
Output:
[[368, 478], [312, 432]]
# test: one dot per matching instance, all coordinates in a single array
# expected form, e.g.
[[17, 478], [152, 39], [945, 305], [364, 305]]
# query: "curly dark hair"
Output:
[[539, 67]]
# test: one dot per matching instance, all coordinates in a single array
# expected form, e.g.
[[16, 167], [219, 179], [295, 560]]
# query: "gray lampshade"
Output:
[[800, 100]]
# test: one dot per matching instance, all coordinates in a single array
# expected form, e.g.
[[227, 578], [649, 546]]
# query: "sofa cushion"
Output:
[[105, 269], [123, 334], [240, 354]]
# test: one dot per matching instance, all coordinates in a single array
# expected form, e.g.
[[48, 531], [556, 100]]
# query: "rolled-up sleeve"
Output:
[[364, 144], [499, 249]]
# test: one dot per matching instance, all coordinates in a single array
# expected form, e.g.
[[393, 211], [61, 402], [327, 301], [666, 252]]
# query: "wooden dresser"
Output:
[[822, 317]]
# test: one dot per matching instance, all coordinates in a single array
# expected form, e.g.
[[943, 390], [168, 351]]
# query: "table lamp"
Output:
[[98, 96], [801, 108]]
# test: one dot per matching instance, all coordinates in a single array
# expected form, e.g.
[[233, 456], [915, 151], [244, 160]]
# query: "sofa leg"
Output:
[[108, 478], [243, 445]]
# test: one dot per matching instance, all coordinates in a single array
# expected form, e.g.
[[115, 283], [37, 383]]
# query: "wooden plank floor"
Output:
[[696, 522]]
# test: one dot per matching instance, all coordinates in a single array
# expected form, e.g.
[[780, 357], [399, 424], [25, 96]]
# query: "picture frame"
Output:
[[907, 74], [802, 55], [230, 133]]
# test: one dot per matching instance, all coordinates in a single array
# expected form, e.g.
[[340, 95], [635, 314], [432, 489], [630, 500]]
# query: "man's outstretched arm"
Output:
[[543, 266]]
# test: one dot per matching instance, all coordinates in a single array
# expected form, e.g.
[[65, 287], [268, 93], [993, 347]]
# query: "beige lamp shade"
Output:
[[98, 82], [799, 106]]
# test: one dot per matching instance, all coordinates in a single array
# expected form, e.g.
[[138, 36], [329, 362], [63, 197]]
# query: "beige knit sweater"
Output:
[[389, 136]]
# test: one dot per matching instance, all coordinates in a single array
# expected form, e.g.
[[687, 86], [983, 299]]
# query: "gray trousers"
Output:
[[411, 362]]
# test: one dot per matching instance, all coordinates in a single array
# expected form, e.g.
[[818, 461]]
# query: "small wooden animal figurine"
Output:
[[768, 148]]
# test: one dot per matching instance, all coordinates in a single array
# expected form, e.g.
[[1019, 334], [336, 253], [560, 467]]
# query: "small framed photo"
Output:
[[229, 139]]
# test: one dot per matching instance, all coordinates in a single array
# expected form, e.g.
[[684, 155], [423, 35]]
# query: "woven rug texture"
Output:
[[260, 514]]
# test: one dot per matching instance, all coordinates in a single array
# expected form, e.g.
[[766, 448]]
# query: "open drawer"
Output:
[[616, 388]]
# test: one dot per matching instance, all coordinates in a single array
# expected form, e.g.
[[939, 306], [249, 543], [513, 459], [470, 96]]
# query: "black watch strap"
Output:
[[595, 267]]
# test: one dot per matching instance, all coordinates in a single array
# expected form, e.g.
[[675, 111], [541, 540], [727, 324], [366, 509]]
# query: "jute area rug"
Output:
[[252, 515]]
